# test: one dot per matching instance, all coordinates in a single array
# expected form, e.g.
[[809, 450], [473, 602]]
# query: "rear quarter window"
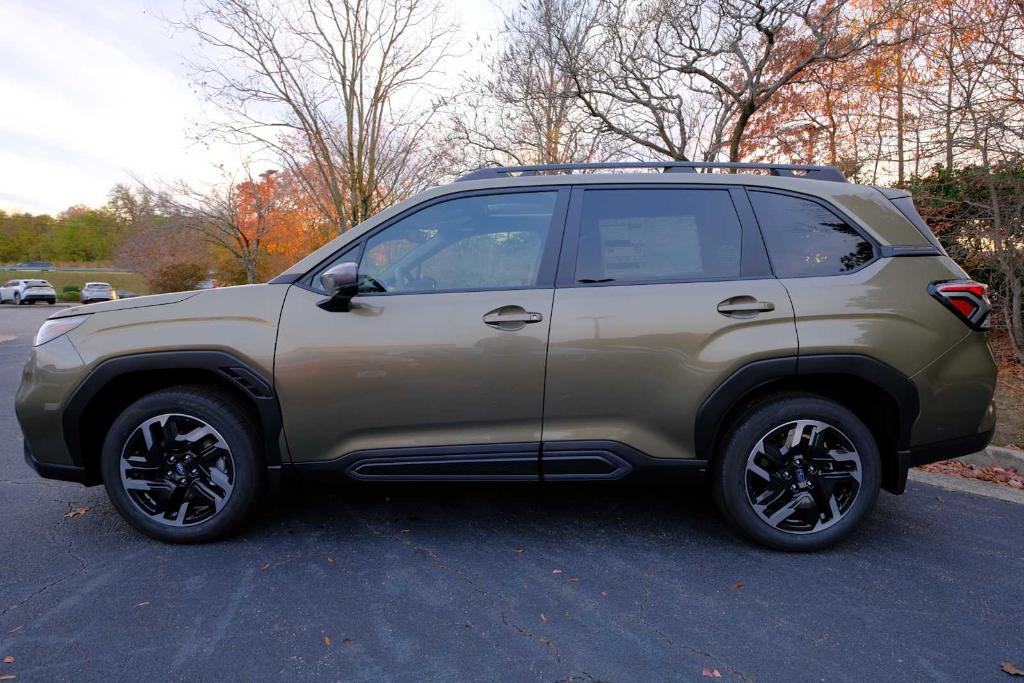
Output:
[[806, 239]]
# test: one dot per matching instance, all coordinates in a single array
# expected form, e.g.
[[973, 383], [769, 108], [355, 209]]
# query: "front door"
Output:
[[663, 293], [442, 353]]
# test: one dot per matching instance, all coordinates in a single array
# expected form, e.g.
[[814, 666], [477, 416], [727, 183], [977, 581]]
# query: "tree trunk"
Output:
[[1013, 311], [738, 130], [900, 173]]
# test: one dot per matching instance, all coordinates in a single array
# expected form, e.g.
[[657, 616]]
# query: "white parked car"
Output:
[[27, 292], [97, 291]]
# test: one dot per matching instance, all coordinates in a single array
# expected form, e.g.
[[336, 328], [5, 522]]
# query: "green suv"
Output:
[[796, 341]]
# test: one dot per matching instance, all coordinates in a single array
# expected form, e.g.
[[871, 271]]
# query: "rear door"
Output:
[[663, 291]]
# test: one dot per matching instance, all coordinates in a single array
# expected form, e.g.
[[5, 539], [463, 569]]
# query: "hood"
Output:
[[123, 304]]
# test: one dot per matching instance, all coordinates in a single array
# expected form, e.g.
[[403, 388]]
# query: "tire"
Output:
[[51, 301], [17, 299], [199, 489], [788, 497]]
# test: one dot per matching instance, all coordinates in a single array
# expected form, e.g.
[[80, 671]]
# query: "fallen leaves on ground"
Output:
[[265, 567], [1006, 476], [556, 571], [1012, 669], [17, 628], [8, 677], [327, 641], [711, 673], [346, 640], [737, 586], [330, 559], [142, 604], [543, 618], [10, 660], [75, 512]]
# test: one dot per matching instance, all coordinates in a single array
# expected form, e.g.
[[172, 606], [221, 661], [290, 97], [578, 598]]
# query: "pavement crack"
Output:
[[82, 566], [435, 559]]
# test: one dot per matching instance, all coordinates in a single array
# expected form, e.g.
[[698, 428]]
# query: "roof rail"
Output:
[[830, 173]]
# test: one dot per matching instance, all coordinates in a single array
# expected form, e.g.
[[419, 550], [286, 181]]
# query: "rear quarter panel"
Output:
[[885, 311]]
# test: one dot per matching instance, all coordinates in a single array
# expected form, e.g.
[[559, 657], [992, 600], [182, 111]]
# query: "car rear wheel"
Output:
[[183, 465], [797, 473], [17, 299]]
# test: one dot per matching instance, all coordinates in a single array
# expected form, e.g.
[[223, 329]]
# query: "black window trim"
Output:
[[548, 263], [876, 248], [754, 263]]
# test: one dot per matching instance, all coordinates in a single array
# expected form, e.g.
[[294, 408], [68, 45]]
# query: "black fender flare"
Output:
[[237, 372], [759, 373]]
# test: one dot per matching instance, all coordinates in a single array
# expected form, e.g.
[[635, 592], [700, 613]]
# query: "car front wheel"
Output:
[[797, 473], [183, 465]]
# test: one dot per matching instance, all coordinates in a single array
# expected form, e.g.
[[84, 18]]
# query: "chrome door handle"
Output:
[[511, 318]]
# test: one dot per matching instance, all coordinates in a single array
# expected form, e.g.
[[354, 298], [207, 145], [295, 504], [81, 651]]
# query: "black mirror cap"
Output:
[[341, 282]]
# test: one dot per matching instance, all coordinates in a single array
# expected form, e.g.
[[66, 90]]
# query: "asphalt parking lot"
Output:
[[496, 583]]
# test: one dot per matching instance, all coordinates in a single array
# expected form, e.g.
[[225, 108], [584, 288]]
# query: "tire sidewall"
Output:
[[234, 426], [730, 472]]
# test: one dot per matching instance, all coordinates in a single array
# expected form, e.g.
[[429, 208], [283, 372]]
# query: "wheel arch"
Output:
[[881, 396], [117, 382]]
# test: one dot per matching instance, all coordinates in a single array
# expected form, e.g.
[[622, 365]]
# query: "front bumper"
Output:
[[50, 376], [49, 470]]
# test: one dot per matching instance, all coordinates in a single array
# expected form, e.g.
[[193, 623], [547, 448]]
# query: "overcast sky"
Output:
[[94, 91]]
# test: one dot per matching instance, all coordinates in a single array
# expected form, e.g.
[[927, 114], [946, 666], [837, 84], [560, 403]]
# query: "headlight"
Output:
[[52, 329]]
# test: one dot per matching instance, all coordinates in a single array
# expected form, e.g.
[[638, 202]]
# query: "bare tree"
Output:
[[334, 88], [236, 215], [523, 111], [684, 78]]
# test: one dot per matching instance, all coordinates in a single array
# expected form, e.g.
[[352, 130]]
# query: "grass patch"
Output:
[[132, 282]]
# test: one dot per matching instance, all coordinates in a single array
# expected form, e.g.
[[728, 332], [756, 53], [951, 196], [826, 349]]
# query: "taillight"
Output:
[[966, 298]]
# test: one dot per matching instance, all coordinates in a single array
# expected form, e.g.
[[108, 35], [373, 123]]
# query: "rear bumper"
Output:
[[39, 297], [934, 452], [945, 450]]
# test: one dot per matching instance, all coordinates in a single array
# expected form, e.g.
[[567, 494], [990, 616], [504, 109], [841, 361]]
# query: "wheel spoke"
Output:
[[147, 485], [215, 498], [220, 479], [784, 512], [758, 470], [174, 506]]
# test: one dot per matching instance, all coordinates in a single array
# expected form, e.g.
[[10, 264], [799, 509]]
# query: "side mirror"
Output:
[[341, 283]]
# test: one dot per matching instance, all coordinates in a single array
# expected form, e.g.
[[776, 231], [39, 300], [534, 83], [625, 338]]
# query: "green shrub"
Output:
[[71, 288], [70, 295]]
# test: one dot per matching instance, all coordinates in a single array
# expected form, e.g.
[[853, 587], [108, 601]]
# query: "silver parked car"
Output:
[[27, 292], [97, 291]]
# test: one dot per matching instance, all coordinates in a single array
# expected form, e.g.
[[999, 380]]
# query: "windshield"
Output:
[[37, 283]]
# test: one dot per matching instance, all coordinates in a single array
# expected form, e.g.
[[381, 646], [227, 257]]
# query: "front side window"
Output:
[[658, 235], [806, 239], [492, 241]]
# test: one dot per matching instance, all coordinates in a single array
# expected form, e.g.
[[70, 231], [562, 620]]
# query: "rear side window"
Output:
[[658, 235], [805, 239]]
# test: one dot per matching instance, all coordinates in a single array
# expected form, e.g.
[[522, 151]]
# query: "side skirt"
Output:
[[551, 461]]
